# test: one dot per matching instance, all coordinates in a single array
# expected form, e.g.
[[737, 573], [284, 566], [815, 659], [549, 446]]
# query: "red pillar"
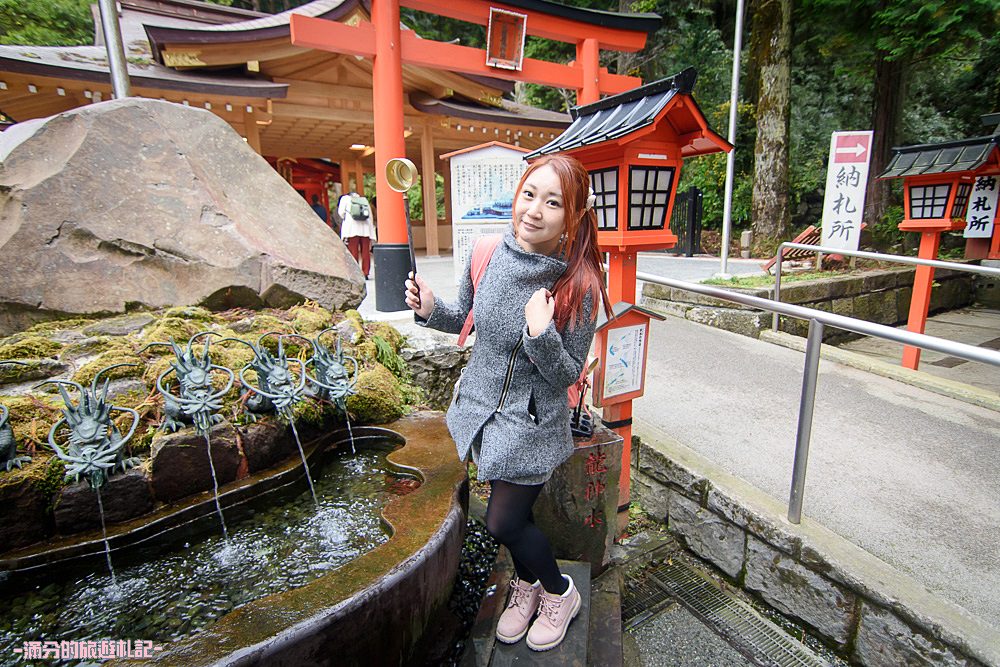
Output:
[[387, 93], [923, 281], [621, 287], [588, 56]]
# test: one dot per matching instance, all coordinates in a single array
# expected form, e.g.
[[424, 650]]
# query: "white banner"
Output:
[[846, 182], [982, 208]]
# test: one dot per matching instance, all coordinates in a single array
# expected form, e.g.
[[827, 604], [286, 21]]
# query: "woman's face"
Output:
[[539, 213]]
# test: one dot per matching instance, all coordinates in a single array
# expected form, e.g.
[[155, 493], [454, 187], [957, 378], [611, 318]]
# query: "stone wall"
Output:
[[435, 360], [864, 609], [874, 296]]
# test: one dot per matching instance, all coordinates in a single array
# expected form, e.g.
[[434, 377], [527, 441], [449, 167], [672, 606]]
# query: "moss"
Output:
[[388, 357], [46, 473], [119, 352], [310, 317], [31, 417], [195, 313], [311, 412], [365, 352], [154, 368], [167, 328], [378, 399], [264, 323], [87, 347], [389, 334], [59, 325], [15, 373], [354, 316], [29, 347]]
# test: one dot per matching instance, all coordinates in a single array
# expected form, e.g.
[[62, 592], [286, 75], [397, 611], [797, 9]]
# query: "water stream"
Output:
[[305, 464], [104, 533], [215, 487], [167, 591]]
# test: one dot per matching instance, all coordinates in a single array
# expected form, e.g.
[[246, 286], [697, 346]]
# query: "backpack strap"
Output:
[[482, 252]]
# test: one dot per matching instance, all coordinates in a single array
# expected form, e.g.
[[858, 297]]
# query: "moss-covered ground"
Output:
[[384, 387]]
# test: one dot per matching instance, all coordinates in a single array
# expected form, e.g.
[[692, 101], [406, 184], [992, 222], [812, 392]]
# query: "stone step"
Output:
[[573, 649], [594, 637]]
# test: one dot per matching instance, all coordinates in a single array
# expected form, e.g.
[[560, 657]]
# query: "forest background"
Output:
[[913, 72]]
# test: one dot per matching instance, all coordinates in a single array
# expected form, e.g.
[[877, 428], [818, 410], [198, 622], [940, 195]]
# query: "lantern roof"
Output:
[[964, 155], [620, 309], [618, 116]]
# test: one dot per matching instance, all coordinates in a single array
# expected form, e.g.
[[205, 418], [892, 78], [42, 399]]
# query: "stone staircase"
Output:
[[594, 637]]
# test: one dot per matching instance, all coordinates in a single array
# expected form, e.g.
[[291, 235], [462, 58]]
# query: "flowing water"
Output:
[[170, 591], [215, 487], [305, 464], [104, 533]]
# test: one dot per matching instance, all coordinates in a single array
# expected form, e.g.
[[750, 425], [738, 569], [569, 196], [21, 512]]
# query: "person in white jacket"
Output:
[[357, 232]]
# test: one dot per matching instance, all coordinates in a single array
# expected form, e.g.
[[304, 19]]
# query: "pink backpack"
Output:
[[482, 252]]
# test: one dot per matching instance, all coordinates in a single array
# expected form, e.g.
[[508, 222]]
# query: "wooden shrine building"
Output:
[[295, 101]]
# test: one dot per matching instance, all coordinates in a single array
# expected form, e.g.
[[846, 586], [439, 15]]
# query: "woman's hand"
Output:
[[538, 311], [419, 296]]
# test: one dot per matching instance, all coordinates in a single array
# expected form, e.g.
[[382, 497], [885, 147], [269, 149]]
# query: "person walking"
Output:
[[534, 311], [357, 229]]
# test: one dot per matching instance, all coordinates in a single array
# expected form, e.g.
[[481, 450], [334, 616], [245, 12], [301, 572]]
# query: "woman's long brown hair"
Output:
[[584, 271]]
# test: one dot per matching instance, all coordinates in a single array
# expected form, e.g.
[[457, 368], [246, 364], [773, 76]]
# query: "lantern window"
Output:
[[649, 196], [605, 185], [928, 201], [961, 200]]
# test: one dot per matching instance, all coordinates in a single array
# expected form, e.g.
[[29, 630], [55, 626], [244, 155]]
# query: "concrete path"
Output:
[[907, 475], [975, 326]]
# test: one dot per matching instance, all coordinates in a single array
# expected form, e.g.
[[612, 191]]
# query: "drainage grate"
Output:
[[648, 591]]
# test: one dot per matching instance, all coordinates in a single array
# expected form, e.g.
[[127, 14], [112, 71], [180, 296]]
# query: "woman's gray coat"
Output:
[[513, 391]]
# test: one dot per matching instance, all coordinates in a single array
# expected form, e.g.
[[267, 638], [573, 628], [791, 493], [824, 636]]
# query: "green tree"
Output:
[[900, 37], [46, 22]]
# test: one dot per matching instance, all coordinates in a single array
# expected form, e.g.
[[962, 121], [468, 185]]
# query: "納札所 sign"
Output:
[[846, 182]]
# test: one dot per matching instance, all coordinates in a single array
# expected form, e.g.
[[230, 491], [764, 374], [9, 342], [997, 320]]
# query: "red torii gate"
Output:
[[389, 47]]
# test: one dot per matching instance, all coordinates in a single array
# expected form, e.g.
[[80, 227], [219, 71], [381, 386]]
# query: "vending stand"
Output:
[[633, 145]]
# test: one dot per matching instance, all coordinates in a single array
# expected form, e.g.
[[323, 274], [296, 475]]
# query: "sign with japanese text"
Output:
[[625, 355], [846, 182], [483, 179], [505, 39], [982, 210]]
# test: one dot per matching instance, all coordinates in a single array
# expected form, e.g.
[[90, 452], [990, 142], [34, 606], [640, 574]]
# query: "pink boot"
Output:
[[554, 615], [520, 608]]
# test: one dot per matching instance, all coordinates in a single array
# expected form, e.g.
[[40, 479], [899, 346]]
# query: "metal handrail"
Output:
[[817, 320], [899, 259]]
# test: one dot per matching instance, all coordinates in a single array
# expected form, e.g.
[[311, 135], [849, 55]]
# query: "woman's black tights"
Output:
[[511, 523]]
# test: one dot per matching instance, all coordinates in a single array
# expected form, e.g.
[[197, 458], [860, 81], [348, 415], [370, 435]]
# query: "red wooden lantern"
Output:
[[633, 145]]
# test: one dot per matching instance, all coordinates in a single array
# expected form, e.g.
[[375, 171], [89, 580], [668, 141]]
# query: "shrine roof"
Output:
[[945, 157], [278, 24], [507, 112], [90, 63], [619, 115]]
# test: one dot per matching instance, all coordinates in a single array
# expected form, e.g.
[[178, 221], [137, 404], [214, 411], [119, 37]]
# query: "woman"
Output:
[[535, 314]]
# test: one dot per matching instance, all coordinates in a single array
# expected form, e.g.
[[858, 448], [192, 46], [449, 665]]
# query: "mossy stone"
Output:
[[310, 317], [389, 334], [29, 347], [378, 399], [166, 329]]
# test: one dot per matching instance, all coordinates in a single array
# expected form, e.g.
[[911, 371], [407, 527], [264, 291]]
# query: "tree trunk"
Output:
[[887, 110], [770, 47], [625, 61]]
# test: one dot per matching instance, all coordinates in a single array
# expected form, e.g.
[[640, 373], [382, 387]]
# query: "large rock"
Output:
[[145, 203]]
